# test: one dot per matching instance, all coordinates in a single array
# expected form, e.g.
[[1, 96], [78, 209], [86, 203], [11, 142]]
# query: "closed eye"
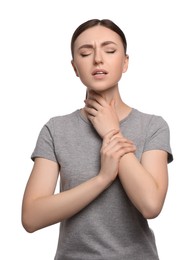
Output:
[[113, 51], [85, 54]]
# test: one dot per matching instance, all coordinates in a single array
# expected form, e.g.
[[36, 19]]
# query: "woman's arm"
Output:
[[41, 207], [145, 183]]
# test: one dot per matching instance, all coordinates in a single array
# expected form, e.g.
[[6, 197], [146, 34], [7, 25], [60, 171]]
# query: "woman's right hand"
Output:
[[101, 114], [114, 147]]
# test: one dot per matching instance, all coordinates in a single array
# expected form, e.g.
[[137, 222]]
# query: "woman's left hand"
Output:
[[102, 115]]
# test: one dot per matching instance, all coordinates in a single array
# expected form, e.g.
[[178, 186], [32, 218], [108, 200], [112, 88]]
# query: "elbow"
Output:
[[151, 211], [152, 207], [28, 227], [150, 214], [28, 224]]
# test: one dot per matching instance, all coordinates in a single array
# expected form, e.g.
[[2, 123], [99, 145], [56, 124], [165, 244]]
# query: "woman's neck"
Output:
[[122, 109]]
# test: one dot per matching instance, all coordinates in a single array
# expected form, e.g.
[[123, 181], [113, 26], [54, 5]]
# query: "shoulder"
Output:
[[149, 120], [62, 123], [62, 119], [157, 133]]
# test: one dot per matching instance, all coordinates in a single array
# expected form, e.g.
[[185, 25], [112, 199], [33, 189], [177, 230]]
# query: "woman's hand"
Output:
[[114, 147], [102, 115]]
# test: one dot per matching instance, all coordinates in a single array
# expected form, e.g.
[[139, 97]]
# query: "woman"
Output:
[[112, 160]]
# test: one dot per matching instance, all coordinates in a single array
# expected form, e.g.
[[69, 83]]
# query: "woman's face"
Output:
[[99, 58]]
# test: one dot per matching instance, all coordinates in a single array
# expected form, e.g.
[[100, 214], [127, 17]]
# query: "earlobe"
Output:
[[74, 67]]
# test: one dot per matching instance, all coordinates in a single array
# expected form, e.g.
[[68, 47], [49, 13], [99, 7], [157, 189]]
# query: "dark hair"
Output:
[[93, 22]]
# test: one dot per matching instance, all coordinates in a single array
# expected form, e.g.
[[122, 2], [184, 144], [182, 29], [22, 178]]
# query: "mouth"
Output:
[[99, 72]]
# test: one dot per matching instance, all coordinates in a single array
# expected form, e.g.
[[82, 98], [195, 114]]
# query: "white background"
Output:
[[37, 82]]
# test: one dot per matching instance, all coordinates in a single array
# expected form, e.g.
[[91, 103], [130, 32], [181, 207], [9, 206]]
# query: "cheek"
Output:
[[83, 74], [119, 67], [78, 69], [81, 71]]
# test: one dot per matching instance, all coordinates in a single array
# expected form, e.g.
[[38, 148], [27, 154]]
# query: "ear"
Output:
[[74, 67], [126, 63]]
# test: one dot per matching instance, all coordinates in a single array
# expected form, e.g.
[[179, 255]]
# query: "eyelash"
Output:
[[85, 55], [111, 51]]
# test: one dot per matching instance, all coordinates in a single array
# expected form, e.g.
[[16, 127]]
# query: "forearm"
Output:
[[140, 186], [49, 210]]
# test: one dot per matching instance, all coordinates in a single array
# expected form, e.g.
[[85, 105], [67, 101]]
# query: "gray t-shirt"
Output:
[[109, 228]]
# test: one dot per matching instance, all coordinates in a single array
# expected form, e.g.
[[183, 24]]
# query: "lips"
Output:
[[99, 72]]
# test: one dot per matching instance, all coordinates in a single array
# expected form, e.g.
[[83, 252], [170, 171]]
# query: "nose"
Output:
[[98, 57]]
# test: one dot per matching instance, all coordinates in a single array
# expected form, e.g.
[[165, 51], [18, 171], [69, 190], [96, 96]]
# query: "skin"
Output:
[[99, 60]]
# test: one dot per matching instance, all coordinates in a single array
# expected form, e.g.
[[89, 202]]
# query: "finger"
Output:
[[97, 97], [125, 150], [120, 150], [90, 111], [92, 103], [110, 134], [120, 143], [117, 142]]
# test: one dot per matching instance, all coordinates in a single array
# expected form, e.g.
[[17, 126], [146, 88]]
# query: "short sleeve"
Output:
[[158, 136], [45, 143]]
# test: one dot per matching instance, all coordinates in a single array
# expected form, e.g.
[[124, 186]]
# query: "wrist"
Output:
[[118, 134], [103, 181]]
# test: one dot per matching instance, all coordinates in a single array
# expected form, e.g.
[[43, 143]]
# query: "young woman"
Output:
[[112, 160]]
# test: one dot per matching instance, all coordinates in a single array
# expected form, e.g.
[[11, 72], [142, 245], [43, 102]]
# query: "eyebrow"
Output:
[[90, 46]]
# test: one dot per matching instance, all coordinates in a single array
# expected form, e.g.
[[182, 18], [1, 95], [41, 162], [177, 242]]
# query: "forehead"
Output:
[[97, 34]]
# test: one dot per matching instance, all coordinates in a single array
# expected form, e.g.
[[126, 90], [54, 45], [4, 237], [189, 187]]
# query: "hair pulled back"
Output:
[[93, 22]]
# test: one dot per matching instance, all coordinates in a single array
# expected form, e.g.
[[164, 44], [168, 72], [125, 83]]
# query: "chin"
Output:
[[101, 89]]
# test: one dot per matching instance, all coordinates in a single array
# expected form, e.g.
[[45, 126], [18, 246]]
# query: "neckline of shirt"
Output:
[[130, 114]]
